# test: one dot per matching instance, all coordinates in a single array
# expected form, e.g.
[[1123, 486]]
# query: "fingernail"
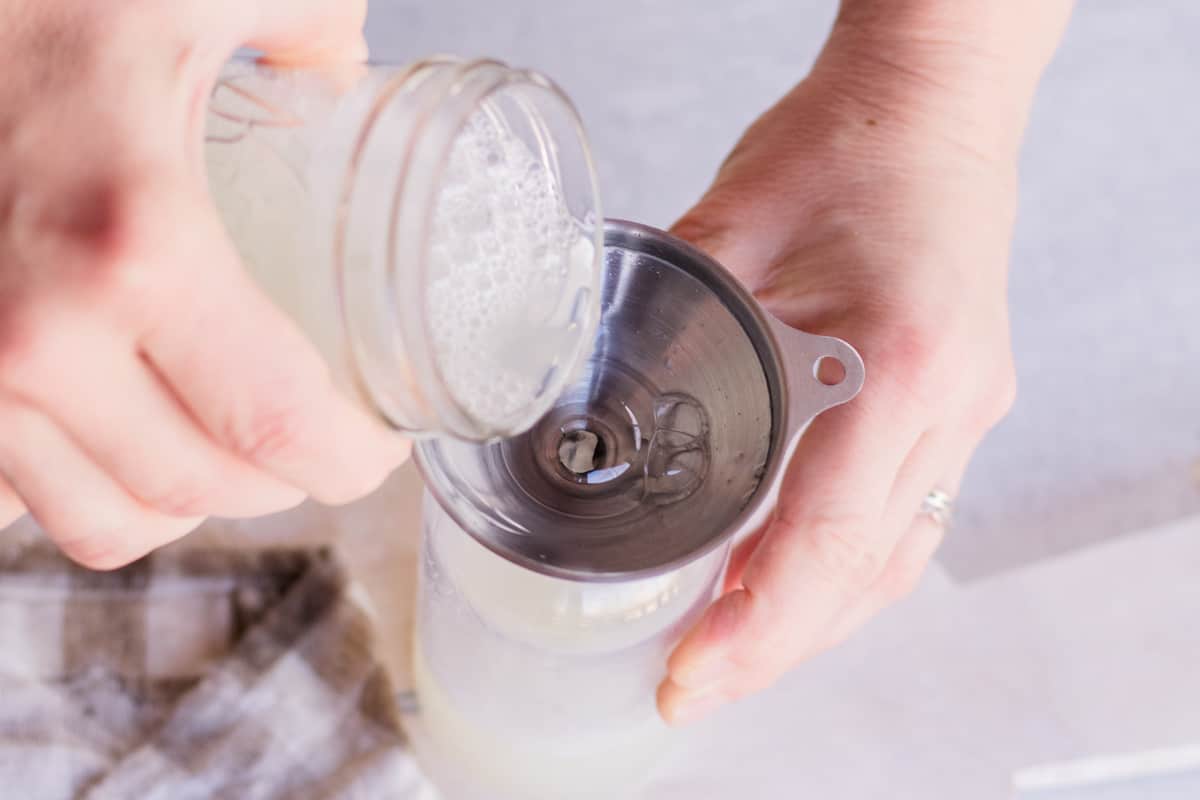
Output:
[[695, 706]]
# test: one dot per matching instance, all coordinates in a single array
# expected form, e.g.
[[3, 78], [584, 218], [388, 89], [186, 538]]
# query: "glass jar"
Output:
[[532, 687], [433, 228]]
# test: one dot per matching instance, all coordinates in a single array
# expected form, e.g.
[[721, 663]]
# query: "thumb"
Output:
[[292, 32], [732, 231]]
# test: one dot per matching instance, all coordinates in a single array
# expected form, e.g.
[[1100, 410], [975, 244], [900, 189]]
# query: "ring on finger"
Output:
[[938, 505]]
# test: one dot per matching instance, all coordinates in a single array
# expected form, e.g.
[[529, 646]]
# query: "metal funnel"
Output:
[[668, 440]]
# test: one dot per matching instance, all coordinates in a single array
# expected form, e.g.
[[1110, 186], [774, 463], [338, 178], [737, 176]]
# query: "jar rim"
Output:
[[602, 551], [418, 183]]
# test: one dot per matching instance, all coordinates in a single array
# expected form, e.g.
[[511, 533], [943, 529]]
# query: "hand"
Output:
[[880, 220], [145, 382]]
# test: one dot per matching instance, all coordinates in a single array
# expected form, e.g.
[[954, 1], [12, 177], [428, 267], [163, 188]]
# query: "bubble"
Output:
[[509, 261]]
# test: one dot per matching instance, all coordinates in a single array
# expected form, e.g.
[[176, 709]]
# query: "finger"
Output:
[[308, 31], [133, 428], [913, 553], [903, 561], [717, 225], [11, 507], [90, 517], [254, 382], [936, 463], [901, 575], [824, 547], [901, 498], [740, 557]]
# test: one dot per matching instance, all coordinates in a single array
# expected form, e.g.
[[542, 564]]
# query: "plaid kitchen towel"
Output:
[[193, 674]]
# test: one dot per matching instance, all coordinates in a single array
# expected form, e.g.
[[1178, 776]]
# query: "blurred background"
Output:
[[1062, 622]]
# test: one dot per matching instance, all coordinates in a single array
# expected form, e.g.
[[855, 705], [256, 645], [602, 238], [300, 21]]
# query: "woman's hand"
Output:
[[145, 382], [867, 206]]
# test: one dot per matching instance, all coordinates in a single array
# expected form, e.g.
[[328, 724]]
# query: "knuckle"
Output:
[[271, 431], [753, 616], [705, 228], [190, 496], [996, 396], [929, 383], [913, 344], [921, 367], [97, 232], [764, 642], [106, 227], [21, 347], [1002, 395], [842, 553], [914, 365]]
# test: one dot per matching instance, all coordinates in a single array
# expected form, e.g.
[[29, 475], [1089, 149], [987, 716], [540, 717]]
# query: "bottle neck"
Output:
[[466, 246]]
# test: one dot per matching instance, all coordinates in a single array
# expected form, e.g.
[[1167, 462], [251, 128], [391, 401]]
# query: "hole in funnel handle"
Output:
[[829, 371]]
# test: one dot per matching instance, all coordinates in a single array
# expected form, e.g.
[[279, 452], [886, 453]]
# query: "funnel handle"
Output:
[[807, 396]]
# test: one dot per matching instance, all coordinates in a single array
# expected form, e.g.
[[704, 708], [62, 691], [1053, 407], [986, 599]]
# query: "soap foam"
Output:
[[507, 265]]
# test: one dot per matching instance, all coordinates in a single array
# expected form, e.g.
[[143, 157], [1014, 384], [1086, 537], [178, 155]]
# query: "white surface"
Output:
[[947, 696]]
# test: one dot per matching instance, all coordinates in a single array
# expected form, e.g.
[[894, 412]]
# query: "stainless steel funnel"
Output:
[[669, 439]]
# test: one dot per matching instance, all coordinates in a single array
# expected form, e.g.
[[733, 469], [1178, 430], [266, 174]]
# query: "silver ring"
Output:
[[938, 506]]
